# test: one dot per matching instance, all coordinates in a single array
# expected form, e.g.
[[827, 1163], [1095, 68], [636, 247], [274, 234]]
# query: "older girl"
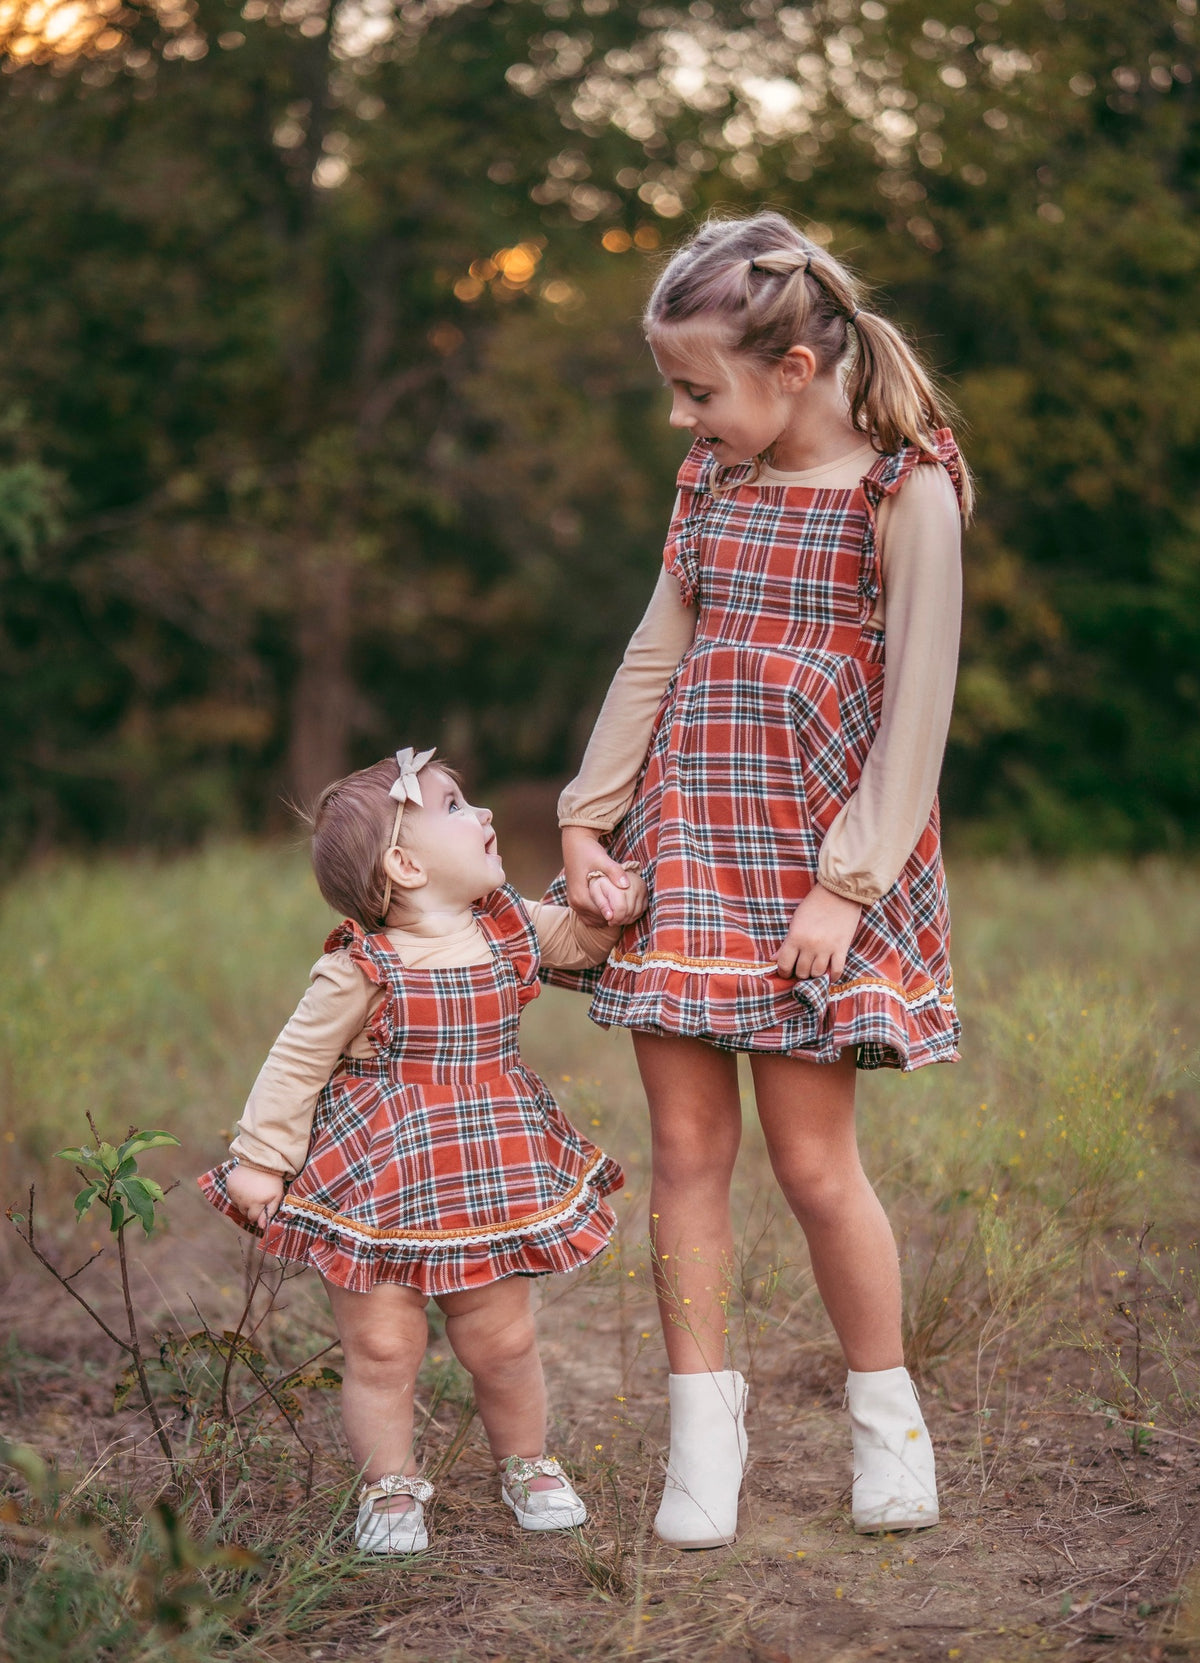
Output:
[[769, 755]]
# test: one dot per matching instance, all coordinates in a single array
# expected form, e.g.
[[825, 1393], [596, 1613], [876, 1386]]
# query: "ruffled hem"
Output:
[[887, 1027], [338, 1251]]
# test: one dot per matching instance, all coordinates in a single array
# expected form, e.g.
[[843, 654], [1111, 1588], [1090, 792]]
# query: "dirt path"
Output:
[[1057, 1540]]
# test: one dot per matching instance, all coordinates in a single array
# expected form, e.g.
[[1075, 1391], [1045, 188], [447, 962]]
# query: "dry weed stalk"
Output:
[[112, 1181]]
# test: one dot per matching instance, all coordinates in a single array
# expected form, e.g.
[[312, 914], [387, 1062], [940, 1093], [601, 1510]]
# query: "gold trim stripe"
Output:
[[479, 1233], [743, 967]]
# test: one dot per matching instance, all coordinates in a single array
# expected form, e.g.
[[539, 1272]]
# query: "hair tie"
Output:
[[850, 316]]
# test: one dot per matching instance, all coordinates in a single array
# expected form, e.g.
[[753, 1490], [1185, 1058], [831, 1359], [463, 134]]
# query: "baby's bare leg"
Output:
[[383, 1334], [492, 1333]]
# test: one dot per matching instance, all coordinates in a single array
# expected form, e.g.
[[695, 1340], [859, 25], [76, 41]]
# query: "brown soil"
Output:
[[1057, 1539]]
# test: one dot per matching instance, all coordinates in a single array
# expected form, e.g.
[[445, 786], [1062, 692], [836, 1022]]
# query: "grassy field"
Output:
[[1043, 1193]]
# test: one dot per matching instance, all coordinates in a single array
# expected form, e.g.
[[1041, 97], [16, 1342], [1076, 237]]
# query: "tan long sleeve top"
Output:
[[335, 1013], [918, 535]]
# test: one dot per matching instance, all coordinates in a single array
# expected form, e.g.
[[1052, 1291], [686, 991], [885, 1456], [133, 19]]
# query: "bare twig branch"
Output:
[[134, 1349], [284, 1379], [28, 1237]]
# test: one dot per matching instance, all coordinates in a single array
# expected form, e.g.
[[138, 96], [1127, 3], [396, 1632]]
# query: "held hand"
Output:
[[627, 904], [601, 900], [256, 1195], [819, 936]]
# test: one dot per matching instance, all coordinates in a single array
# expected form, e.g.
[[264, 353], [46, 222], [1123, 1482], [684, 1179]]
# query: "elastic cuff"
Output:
[[604, 827], [847, 891], [257, 1166]]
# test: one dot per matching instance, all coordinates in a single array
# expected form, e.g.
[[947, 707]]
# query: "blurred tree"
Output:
[[237, 279], [325, 322]]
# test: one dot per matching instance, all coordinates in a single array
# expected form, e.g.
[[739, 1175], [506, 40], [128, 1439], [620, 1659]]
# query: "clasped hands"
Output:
[[818, 937], [599, 888]]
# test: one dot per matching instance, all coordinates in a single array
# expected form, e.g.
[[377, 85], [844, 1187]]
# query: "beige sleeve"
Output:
[[920, 534], [567, 943], [603, 788], [275, 1125]]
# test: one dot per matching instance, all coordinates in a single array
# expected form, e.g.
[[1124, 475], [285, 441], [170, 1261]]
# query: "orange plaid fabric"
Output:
[[442, 1162], [759, 741]]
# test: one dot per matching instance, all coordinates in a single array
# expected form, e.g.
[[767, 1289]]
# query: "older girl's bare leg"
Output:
[[695, 1129], [807, 1114]]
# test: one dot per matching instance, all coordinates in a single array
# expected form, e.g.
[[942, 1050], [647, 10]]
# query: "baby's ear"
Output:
[[403, 870]]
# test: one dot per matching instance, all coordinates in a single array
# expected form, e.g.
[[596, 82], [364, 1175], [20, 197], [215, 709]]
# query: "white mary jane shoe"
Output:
[[895, 1482], [557, 1509], [382, 1531]]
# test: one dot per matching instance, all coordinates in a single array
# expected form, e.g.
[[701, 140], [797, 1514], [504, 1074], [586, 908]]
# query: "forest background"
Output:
[[326, 426], [326, 423]]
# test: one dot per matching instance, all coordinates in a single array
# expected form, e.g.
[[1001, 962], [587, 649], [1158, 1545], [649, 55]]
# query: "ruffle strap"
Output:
[[889, 473], [503, 917]]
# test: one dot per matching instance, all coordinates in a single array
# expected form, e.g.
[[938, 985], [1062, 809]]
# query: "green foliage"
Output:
[[306, 462], [25, 1460], [147, 988], [85, 1594], [126, 1193]]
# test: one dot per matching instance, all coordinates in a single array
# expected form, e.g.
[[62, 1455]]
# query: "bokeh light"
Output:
[[40, 31]]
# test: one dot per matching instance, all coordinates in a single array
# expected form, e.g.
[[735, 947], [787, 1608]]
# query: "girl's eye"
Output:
[[699, 398], [454, 807]]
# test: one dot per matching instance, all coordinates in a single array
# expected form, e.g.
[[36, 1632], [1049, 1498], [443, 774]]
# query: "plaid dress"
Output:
[[442, 1162], [759, 741]]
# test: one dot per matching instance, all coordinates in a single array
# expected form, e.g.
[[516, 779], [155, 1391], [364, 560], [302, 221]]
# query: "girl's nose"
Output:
[[484, 815], [680, 415]]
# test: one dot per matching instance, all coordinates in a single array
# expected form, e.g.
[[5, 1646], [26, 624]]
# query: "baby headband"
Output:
[[407, 789]]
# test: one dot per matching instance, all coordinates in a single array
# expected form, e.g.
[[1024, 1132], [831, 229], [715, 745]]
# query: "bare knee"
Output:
[[385, 1351], [820, 1194], [695, 1157], [492, 1346]]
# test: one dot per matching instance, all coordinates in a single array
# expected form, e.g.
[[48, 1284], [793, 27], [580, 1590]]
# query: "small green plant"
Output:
[[112, 1181], [85, 1590], [1144, 1352], [120, 1187], [188, 1374]]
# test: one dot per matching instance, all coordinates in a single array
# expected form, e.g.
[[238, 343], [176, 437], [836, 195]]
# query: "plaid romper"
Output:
[[442, 1162], [759, 741]]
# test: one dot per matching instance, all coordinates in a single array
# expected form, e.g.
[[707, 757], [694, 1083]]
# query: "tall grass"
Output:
[[147, 990], [1042, 1191]]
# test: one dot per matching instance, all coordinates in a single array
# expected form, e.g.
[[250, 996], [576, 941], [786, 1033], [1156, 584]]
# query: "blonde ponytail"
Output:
[[774, 289]]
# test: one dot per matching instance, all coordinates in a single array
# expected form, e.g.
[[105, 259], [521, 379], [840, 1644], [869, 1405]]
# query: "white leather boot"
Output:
[[707, 1459], [895, 1485]]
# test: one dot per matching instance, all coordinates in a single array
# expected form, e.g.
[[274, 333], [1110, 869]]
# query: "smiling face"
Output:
[[447, 846], [735, 405]]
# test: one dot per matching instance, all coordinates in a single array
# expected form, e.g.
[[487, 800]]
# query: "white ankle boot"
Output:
[[895, 1486], [708, 1456]]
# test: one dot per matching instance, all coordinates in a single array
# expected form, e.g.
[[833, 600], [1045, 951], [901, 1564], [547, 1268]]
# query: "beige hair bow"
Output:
[[407, 789]]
